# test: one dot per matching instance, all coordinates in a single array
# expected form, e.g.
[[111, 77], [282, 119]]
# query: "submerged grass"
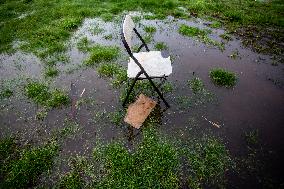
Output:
[[99, 53], [21, 167], [153, 164], [209, 161], [201, 34], [161, 46], [150, 29], [41, 94]]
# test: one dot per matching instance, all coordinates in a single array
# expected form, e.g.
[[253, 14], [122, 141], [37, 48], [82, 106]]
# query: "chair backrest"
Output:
[[127, 30]]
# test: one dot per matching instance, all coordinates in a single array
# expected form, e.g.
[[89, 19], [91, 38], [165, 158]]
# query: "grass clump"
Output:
[[57, 99], [192, 31], [100, 54], [6, 93], [208, 160], [161, 46], [200, 34], [153, 164], [196, 85], [83, 44], [22, 168], [41, 94], [150, 29], [216, 24], [108, 37], [108, 69], [223, 77], [51, 72], [38, 92]]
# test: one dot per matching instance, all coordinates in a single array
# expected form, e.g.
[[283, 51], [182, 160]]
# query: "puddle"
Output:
[[256, 102]]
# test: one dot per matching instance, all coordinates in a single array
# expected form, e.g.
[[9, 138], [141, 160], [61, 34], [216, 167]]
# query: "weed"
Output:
[[150, 29], [161, 46], [222, 77], [51, 72], [100, 53]]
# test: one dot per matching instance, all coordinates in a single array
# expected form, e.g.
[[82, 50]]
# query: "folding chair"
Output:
[[143, 65]]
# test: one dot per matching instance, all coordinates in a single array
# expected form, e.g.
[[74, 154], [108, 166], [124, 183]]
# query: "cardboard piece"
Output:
[[138, 111]]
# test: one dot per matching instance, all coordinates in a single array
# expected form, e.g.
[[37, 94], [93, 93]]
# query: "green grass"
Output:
[[116, 117], [226, 36], [107, 17], [51, 72], [192, 31], [108, 37], [153, 164], [41, 94], [99, 53], [208, 160], [201, 34], [6, 93], [97, 30], [109, 69], [83, 44], [71, 180], [200, 95], [150, 29], [196, 85], [216, 24], [223, 77], [22, 167], [48, 24], [161, 46]]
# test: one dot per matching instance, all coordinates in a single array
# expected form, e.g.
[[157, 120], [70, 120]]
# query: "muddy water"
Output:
[[256, 102]]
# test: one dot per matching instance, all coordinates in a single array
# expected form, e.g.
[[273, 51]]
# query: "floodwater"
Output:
[[256, 102]]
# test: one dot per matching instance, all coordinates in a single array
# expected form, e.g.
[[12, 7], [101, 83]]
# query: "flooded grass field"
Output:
[[62, 91]]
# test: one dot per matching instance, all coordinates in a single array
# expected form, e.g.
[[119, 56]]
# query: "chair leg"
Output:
[[131, 88]]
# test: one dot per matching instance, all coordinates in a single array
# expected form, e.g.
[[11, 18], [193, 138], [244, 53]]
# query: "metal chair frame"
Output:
[[142, 70]]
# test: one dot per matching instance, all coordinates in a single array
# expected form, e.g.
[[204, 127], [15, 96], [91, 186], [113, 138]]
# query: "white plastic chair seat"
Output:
[[153, 62]]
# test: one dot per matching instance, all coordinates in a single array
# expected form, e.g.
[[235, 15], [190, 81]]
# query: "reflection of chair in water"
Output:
[[144, 65]]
